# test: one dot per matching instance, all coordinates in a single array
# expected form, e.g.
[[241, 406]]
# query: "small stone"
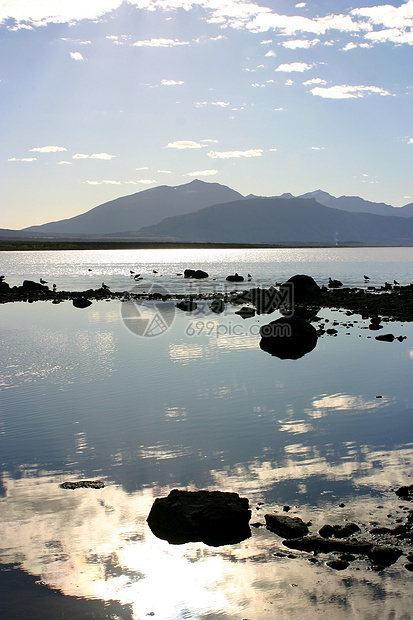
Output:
[[287, 527]]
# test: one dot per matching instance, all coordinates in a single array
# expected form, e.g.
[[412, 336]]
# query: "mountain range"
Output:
[[212, 213]]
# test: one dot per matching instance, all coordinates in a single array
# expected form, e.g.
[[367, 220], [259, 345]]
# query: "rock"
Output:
[[334, 283], [405, 492], [385, 337], [339, 531], [384, 556], [81, 302], [287, 527], [213, 517], [288, 337], [303, 287], [187, 305], [246, 312], [235, 278], [83, 484], [337, 564], [409, 567], [34, 286], [217, 306], [197, 274], [322, 545]]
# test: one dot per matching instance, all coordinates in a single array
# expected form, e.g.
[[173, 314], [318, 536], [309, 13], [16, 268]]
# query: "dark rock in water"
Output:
[[235, 278], [339, 531], [34, 286], [303, 287], [213, 517], [288, 337], [246, 312], [187, 305], [334, 283], [217, 306], [409, 566], [337, 564], [81, 302], [385, 337], [197, 274], [4, 286], [384, 556], [83, 484], [287, 527], [375, 326], [323, 545], [405, 492]]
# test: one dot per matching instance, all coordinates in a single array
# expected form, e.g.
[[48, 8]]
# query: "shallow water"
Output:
[[200, 406]]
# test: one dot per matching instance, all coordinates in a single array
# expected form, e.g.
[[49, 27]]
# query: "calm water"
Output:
[[200, 406]]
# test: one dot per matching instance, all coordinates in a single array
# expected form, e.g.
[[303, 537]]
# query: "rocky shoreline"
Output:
[[395, 303]]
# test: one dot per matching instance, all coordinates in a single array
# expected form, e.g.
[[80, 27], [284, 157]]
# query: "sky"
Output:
[[104, 98]]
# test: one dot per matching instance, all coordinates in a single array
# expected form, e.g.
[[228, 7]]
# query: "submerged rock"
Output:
[[385, 337], [287, 527], [217, 306], [405, 492], [323, 545], [187, 305], [81, 302], [288, 337], [235, 278], [197, 274], [213, 517], [303, 287], [384, 556], [83, 484], [339, 531]]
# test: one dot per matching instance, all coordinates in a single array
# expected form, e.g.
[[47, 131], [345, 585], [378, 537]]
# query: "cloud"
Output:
[[220, 104], [300, 5], [142, 168], [184, 144], [76, 56], [294, 66], [392, 35], [289, 82], [278, 109], [48, 149], [317, 148], [235, 154], [349, 46], [171, 82], [146, 181], [164, 171], [314, 81], [410, 141], [64, 162], [211, 140], [50, 11], [159, 43], [104, 156], [105, 181], [202, 173], [300, 43], [22, 159], [348, 92]]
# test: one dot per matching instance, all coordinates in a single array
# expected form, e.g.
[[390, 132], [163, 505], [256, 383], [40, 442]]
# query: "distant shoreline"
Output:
[[27, 246]]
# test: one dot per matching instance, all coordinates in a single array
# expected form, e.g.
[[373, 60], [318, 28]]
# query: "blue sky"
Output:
[[102, 98]]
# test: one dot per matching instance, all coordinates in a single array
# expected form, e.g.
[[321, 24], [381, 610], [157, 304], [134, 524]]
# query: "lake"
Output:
[[199, 406]]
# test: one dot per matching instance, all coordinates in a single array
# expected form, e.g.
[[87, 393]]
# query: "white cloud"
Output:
[[146, 181], [50, 11], [300, 5], [314, 81], [171, 82], [164, 171], [388, 15], [48, 149], [76, 56], [202, 173], [317, 148], [278, 109], [22, 159], [184, 144], [142, 168], [235, 154], [349, 46], [270, 54], [159, 43], [392, 35], [410, 141], [348, 92], [104, 156], [211, 140], [289, 82], [64, 162], [272, 150], [300, 43], [105, 181], [294, 66]]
